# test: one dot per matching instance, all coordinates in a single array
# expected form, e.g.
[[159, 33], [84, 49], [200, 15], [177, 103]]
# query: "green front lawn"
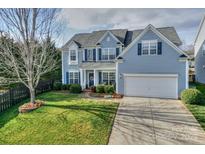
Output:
[[198, 110], [65, 119]]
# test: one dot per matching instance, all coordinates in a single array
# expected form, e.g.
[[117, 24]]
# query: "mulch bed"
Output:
[[102, 95], [28, 107]]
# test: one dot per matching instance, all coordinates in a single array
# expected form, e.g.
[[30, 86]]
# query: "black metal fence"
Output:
[[17, 94]]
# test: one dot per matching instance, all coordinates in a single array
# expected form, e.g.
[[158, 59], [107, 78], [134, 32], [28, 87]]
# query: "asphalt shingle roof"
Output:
[[125, 36]]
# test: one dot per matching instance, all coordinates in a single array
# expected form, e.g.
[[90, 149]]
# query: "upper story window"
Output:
[[149, 47], [108, 39], [108, 53], [73, 57], [89, 55]]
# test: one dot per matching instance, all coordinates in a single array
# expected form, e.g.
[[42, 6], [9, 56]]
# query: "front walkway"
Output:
[[155, 121]]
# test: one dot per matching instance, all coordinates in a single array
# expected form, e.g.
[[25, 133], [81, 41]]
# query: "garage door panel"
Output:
[[145, 86]]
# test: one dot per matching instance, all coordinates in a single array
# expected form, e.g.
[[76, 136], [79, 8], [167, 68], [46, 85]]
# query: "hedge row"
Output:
[[73, 88], [108, 89]]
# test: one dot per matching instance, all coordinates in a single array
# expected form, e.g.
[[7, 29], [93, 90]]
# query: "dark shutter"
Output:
[[85, 54], [117, 51], [100, 77], [94, 54], [139, 48], [159, 48], [99, 52], [67, 77], [79, 78]]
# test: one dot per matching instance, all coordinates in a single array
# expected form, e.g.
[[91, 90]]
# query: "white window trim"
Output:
[[74, 76], [108, 54], [149, 42], [108, 75], [73, 62]]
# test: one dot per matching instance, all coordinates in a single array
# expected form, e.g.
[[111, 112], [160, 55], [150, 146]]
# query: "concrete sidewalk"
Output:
[[155, 121]]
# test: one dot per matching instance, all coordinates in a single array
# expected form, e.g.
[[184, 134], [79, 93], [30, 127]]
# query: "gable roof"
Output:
[[157, 32], [123, 35], [91, 39], [199, 29]]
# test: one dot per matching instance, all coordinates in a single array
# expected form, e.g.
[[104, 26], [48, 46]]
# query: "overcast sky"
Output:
[[186, 21]]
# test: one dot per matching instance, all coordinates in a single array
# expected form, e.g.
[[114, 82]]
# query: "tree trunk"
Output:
[[32, 95]]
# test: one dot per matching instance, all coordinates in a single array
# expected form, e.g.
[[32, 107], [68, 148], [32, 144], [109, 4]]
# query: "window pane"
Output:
[[104, 54], [112, 78], [89, 55], [145, 48], [73, 55], [105, 77], [112, 53], [74, 77], [153, 48]]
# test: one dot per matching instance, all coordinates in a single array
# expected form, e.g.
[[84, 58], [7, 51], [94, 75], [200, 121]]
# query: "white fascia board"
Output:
[[152, 75], [199, 29]]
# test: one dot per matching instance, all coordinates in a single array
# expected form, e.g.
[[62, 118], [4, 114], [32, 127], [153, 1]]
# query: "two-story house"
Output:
[[199, 53], [146, 62]]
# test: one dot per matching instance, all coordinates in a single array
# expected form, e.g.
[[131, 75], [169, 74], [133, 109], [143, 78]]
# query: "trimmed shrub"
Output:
[[57, 86], [75, 88], [100, 88], [109, 89], [192, 96], [65, 87], [200, 87]]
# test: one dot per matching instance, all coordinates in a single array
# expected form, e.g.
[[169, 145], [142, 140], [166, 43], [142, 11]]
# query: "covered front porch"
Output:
[[97, 73]]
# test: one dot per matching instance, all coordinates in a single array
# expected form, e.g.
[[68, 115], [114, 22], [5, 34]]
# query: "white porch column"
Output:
[[95, 77], [81, 78], [84, 78]]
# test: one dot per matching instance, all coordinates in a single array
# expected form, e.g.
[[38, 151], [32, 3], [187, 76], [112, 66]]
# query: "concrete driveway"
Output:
[[155, 121]]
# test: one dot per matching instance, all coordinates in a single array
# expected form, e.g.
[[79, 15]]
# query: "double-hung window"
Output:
[[108, 78], [149, 47], [73, 77], [89, 55], [108, 53], [73, 57]]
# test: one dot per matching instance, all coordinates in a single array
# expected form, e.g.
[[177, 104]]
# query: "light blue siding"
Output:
[[167, 63], [200, 66], [67, 67], [65, 55], [108, 44]]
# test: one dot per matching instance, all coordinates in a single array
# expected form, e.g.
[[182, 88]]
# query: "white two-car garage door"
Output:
[[151, 85]]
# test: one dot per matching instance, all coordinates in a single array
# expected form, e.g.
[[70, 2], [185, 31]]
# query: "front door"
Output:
[[91, 79]]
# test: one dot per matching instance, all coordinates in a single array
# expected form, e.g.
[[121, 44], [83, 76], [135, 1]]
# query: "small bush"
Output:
[[57, 86], [65, 87], [109, 89], [100, 88], [192, 96], [200, 87], [75, 88]]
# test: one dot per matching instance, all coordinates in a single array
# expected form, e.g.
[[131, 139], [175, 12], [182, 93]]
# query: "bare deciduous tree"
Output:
[[29, 56]]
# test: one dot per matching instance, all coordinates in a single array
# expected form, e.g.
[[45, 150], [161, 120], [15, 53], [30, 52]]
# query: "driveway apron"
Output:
[[155, 121]]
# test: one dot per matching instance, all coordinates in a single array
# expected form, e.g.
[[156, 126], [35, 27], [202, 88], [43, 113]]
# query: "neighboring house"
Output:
[[190, 53], [199, 47], [145, 63]]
